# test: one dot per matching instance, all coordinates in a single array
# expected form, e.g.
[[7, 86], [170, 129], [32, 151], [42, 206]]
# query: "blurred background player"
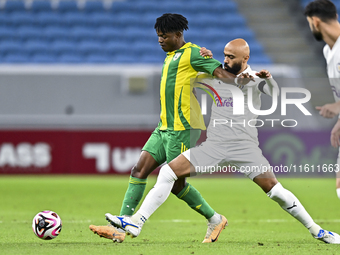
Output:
[[323, 21], [230, 145], [179, 128]]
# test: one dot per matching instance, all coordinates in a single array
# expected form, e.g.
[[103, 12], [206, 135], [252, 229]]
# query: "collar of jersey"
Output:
[[248, 70], [187, 45]]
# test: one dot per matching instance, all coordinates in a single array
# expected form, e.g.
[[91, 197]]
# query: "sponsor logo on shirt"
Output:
[[335, 91], [177, 55], [228, 102], [338, 67]]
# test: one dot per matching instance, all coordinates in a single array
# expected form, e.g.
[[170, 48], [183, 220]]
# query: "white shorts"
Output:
[[243, 156]]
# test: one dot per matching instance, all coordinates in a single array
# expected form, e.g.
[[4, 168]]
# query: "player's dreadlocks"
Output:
[[171, 23], [323, 9]]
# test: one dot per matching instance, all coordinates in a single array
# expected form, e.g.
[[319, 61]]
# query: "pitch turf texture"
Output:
[[257, 225]]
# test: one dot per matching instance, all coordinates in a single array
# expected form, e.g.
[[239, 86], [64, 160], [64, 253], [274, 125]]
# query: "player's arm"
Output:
[[221, 73], [268, 85], [329, 110], [335, 135]]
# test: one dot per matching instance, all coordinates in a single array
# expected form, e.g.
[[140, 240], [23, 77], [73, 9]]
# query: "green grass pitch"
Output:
[[257, 225]]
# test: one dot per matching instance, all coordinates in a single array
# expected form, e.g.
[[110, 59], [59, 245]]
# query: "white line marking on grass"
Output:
[[249, 221], [63, 221], [188, 221]]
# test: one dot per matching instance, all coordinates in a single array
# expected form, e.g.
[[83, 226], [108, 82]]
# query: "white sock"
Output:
[[159, 193], [216, 218], [291, 204], [315, 229], [138, 219], [338, 192]]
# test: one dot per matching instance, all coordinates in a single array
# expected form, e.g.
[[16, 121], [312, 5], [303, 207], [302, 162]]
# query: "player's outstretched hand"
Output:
[[264, 74], [244, 79], [329, 110], [205, 52], [335, 135]]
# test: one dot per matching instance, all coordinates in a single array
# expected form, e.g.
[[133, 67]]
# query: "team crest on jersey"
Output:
[[177, 55], [338, 67]]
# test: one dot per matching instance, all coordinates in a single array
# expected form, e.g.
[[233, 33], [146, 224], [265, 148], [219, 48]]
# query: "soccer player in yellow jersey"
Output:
[[179, 127]]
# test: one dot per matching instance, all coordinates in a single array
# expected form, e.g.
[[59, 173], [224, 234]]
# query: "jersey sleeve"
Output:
[[203, 64]]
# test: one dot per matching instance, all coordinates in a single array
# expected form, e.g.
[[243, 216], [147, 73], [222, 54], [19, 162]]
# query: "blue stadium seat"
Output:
[[41, 6], [71, 58], [67, 6], [14, 6], [146, 7], [29, 32], [148, 20], [63, 47], [22, 18], [234, 21], [126, 19], [103, 19], [44, 58], [118, 47], [89, 47], [98, 58], [16, 58], [108, 33], [263, 59], [50, 19], [94, 6], [123, 33], [9, 33], [173, 7], [12, 47], [5, 19], [80, 33], [244, 33], [133, 34], [224, 7], [126, 59], [153, 59], [57, 32], [76, 19], [37, 46], [122, 6]]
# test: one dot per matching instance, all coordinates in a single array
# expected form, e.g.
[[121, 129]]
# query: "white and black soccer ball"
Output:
[[46, 225]]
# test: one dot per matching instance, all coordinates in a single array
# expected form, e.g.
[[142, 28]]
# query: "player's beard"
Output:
[[234, 69], [317, 35]]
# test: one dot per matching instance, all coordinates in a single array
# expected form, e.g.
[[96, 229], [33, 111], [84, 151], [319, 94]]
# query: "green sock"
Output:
[[195, 200], [133, 195]]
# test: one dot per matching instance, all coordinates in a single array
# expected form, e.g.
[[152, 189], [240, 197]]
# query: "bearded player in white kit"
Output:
[[323, 21], [227, 144]]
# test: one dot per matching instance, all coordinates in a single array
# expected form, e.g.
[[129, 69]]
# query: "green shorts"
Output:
[[167, 145]]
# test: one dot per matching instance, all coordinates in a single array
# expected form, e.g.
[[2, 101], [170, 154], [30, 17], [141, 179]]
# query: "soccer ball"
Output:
[[46, 225]]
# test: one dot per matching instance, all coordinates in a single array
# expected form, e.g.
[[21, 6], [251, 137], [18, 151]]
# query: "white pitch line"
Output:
[[249, 221], [188, 221]]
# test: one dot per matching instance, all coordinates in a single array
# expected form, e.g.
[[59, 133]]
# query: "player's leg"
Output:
[[152, 154], [175, 143], [291, 204], [178, 168], [338, 176], [257, 168], [286, 199]]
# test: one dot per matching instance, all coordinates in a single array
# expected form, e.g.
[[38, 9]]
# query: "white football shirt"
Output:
[[332, 57], [224, 126]]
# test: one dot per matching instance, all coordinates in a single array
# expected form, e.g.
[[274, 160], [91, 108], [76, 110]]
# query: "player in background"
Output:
[[323, 21], [180, 123], [229, 145]]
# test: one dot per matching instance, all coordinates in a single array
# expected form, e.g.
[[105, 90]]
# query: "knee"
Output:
[[266, 184], [139, 172], [178, 186]]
